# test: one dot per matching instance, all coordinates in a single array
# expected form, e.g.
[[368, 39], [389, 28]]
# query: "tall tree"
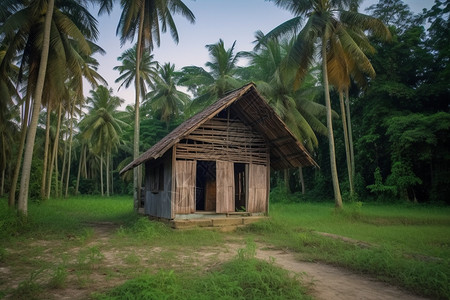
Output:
[[28, 156], [102, 127], [324, 17], [220, 76], [28, 32], [148, 70], [166, 101], [147, 18], [275, 78]]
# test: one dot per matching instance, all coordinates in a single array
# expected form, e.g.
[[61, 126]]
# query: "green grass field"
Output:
[[60, 246], [406, 245]]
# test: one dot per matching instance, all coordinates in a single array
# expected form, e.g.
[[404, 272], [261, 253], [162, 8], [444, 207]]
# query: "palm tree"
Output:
[[28, 156], [275, 78], [28, 33], [165, 101], [102, 127], [210, 85], [147, 18], [324, 17], [148, 69]]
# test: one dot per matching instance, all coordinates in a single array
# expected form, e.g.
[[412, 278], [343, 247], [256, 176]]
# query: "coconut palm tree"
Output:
[[147, 18], [148, 69], [28, 31], [274, 77], [102, 127], [165, 101], [220, 76], [324, 17]]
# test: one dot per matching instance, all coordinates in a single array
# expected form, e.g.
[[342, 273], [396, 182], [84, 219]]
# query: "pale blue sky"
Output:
[[229, 20]]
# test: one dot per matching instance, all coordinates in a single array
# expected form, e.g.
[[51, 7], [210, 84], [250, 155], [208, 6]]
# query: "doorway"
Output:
[[205, 186], [240, 186]]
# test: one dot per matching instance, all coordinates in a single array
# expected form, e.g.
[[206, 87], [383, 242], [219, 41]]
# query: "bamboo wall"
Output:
[[226, 140]]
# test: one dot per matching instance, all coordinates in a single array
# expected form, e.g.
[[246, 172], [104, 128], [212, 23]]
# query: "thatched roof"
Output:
[[285, 150]]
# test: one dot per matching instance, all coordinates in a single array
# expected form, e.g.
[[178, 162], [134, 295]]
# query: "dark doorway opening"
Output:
[[205, 186], [240, 186]]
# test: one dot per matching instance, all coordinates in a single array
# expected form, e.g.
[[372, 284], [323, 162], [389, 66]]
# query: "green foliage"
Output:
[[144, 229], [29, 288], [379, 188], [58, 278], [10, 223]]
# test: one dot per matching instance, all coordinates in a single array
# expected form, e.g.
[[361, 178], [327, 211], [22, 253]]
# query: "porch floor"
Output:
[[225, 222]]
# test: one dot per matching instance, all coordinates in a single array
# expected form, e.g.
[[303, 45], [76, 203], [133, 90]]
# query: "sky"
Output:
[[229, 20]]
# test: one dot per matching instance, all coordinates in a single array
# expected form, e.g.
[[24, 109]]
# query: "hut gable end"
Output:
[[240, 126]]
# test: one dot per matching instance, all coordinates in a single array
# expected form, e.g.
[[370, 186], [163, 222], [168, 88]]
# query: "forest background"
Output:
[[400, 117]]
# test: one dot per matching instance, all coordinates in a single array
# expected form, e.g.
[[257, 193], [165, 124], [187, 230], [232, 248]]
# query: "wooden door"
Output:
[[185, 172], [225, 186], [210, 195], [257, 188]]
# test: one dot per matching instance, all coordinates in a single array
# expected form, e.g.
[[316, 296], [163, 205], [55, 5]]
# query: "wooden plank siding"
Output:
[[257, 188], [158, 201], [225, 186], [225, 140], [185, 171]]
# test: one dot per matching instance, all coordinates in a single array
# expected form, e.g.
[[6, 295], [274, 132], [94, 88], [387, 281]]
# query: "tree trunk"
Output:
[[31, 136], [46, 147], [137, 170], [23, 135], [54, 156], [80, 164], [69, 162], [302, 179], [107, 173], [101, 173], [350, 134], [334, 174], [346, 142], [63, 168], [2, 184], [112, 176], [286, 180]]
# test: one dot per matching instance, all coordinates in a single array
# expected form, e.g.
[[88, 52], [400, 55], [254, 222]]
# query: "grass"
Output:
[[409, 244], [241, 278], [59, 246]]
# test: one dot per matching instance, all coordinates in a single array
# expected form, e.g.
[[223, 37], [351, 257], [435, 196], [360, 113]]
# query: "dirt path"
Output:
[[324, 281], [328, 282]]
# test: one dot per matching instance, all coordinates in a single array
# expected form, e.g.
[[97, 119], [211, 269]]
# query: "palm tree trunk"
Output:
[[101, 173], [23, 135], [334, 174], [107, 173], [63, 170], [112, 176], [350, 135], [54, 156], [46, 147], [69, 161], [286, 180], [136, 171], [80, 164], [2, 184], [31, 136], [302, 179], [346, 141]]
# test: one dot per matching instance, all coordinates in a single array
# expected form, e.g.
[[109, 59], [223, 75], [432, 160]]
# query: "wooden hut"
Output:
[[217, 163]]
